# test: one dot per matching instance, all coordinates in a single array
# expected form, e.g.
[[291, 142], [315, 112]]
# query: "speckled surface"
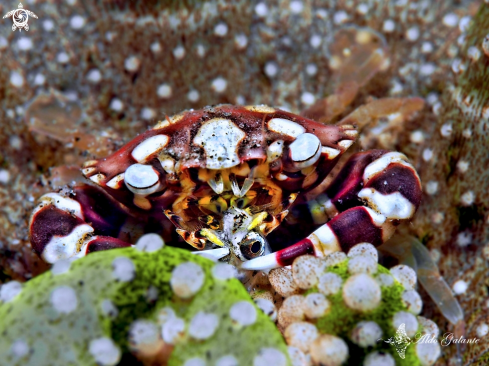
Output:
[[103, 61], [74, 321]]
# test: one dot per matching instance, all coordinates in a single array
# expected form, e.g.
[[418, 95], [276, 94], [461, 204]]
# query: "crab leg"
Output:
[[383, 181], [62, 227]]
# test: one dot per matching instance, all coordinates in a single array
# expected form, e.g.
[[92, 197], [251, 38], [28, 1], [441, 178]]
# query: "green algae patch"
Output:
[[84, 315], [341, 320]]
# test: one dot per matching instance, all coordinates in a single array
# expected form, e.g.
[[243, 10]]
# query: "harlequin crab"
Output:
[[226, 176]]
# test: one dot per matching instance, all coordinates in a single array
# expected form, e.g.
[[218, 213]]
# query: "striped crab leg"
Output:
[[373, 191]]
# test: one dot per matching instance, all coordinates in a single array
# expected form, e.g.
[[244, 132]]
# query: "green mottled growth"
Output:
[[341, 320], [55, 338]]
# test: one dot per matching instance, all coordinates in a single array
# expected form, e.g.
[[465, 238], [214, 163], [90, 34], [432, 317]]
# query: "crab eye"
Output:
[[141, 179], [253, 245]]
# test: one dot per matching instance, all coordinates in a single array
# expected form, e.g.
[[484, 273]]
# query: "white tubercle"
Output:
[[393, 206], [139, 177], [286, 127], [305, 150], [116, 182], [330, 152], [220, 139], [146, 149]]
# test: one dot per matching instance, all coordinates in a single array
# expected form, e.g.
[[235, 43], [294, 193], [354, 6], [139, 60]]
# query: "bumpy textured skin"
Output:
[[62, 339]]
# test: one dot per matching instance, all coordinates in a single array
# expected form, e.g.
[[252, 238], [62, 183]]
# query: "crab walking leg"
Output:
[[59, 229], [384, 181], [354, 226]]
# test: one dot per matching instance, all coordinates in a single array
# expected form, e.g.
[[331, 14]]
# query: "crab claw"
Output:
[[354, 226], [59, 227]]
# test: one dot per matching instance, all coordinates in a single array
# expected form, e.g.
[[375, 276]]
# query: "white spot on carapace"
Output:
[[275, 150], [243, 313], [150, 243], [330, 152], [296, 6], [220, 139], [482, 330], [24, 44], [203, 325], [468, 198], [48, 25], [362, 9], [417, 137], [146, 149], [63, 299], [473, 53], [164, 91], [426, 47], [305, 150], [286, 127], [187, 279], [105, 351], [123, 269], [116, 182], [460, 287], [39, 79], [63, 247], [219, 85], [392, 206]]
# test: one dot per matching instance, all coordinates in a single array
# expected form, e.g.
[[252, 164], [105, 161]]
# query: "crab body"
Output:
[[226, 176]]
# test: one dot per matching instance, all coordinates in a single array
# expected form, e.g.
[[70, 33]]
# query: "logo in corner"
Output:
[[400, 341], [20, 17]]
